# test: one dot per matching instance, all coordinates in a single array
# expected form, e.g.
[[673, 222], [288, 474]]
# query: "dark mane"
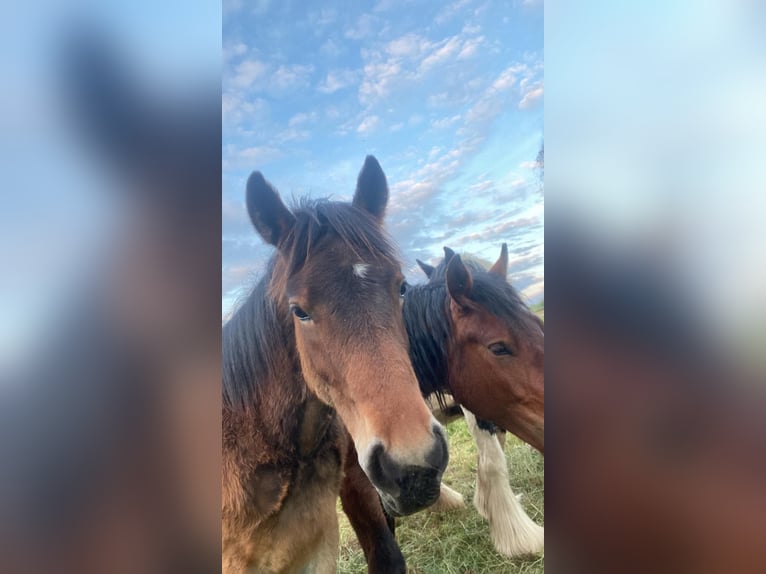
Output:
[[429, 329], [258, 339], [253, 340]]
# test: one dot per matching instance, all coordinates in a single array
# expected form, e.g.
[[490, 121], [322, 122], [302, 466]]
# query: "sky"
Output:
[[447, 96]]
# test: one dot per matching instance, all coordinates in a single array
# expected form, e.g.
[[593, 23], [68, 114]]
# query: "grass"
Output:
[[458, 542]]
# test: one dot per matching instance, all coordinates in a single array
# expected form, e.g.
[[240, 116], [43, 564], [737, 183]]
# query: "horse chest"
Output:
[[302, 534]]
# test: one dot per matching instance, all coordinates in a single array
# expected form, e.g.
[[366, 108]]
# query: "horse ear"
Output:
[[448, 254], [459, 281], [372, 189], [501, 265], [272, 220], [427, 269]]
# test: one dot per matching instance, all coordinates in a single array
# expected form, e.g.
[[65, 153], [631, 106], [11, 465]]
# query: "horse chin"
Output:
[[399, 506], [388, 505]]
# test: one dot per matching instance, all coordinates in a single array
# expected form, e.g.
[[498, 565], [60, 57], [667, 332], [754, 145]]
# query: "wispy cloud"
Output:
[[337, 80], [290, 77], [247, 72], [363, 28], [531, 97], [368, 125]]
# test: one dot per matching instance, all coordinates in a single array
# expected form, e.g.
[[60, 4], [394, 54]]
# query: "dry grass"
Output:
[[458, 542]]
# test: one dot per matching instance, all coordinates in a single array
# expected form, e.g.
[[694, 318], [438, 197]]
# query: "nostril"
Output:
[[379, 467], [438, 456]]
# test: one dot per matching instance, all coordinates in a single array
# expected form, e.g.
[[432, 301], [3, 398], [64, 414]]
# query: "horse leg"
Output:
[[326, 561], [513, 532], [365, 513], [448, 500]]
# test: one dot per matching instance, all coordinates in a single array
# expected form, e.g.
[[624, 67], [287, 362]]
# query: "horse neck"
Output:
[[428, 329]]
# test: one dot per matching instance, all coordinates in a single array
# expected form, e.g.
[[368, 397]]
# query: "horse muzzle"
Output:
[[408, 488]]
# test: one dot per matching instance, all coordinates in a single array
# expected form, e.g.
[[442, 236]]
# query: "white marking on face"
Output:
[[360, 270]]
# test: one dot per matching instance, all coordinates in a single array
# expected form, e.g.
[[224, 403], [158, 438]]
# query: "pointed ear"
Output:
[[459, 281], [501, 265], [372, 189], [272, 220], [448, 254], [427, 269]]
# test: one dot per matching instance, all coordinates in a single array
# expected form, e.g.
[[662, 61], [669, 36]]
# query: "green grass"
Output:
[[458, 542]]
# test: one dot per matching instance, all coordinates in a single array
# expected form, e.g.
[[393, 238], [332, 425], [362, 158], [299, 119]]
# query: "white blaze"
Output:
[[360, 270]]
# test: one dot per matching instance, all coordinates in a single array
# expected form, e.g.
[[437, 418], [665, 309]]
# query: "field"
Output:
[[458, 542]]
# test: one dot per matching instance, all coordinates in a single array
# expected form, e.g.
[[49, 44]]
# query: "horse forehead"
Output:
[[350, 280], [360, 269]]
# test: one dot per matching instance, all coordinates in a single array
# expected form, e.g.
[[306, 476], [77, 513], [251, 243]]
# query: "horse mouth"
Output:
[[421, 494]]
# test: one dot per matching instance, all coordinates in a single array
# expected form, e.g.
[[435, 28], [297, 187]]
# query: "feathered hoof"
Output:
[[448, 500], [522, 539], [481, 503]]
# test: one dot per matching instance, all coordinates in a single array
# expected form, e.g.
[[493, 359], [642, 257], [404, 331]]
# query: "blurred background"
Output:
[[656, 286], [109, 321]]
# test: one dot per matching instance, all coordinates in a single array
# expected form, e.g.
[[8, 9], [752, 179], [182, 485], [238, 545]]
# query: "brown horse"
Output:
[[319, 347], [473, 337]]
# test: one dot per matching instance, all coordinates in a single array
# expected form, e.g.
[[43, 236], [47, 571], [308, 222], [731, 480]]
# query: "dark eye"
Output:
[[499, 349], [402, 289], [299, 313]]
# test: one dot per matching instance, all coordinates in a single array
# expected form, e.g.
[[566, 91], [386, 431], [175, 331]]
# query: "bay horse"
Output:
[[472, 337], [316, 370]]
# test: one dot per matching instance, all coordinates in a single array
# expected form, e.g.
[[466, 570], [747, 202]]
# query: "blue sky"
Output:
[[447, 96]]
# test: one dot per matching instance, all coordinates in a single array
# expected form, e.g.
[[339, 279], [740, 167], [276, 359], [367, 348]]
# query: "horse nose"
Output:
[[439, 454], [407, 488]]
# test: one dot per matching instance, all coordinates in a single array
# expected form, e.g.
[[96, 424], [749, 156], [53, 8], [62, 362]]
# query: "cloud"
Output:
[[530, 165], [331, 48], [368, 125], [235, 108], [293, 134], [235, 158], [407, 60], [450, 11], [493, 101], [363, 28], [455, 47], [500, 230], [531, 98], [301, 119], [444, 123], [379, 80], [407, 46], [470, 48], [247, 72], [337, 80], [287, 78], [323, 17], [231, 51]]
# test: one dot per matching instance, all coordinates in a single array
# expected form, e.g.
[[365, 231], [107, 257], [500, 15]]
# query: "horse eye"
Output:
[[299, 313], [402, 289], [499, 349]]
